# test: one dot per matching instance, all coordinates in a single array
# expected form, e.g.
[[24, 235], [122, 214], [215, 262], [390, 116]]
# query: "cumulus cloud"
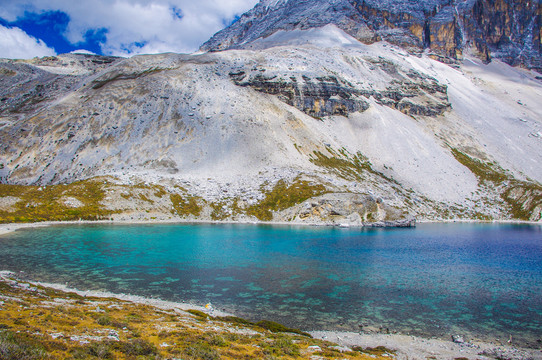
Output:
[[82, 51], [131, 27], [16, 44]]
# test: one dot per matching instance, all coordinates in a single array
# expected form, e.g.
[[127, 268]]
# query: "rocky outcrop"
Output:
[[322, 96], [509, 30], [506, 29], [418, 95], [346, 209], [409, 92]]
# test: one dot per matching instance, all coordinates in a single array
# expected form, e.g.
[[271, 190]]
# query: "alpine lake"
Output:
[[482, 281]]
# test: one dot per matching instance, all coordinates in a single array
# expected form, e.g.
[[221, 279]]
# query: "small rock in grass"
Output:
[[314, 348], [341, 348], [458, 339]]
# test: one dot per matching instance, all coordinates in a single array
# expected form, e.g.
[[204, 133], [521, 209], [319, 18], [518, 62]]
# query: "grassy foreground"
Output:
[[43, 323]]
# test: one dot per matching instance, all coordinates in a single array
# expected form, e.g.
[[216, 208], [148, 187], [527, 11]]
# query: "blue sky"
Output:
[[31, 28]]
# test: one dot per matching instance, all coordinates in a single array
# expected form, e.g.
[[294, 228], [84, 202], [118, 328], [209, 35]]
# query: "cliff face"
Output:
[[509, 30], [410, 92], [322, 96]]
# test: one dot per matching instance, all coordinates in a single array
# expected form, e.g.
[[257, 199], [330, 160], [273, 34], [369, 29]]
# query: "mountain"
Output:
[[509, 30], [297, 120]]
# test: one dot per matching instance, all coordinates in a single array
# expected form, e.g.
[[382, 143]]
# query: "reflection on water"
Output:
[[434, 280]]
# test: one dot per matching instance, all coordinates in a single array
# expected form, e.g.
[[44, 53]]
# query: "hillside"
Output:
[[307, 124]]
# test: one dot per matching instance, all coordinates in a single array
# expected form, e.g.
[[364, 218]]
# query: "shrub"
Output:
[[198, 313], [136, 347], [201, 350], [276, 327], [280, 347], [284, 196], [17, 347]]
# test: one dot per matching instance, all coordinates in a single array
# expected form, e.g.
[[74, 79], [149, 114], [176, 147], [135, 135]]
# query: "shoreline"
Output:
[[406, 346], [7, 228], [415, 347], [158, 303]]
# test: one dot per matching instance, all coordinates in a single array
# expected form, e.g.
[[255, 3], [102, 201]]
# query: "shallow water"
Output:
[[482, 280]]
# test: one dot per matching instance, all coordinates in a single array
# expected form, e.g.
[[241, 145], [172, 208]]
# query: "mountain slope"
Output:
[[303, 125]]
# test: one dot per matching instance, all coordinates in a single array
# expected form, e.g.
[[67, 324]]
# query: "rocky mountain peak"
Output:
[[269, 4], [504, 29]]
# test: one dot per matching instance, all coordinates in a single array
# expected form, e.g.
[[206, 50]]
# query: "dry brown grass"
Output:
[[41, 323]]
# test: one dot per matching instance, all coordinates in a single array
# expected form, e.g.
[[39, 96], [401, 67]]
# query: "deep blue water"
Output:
[[481, 280]]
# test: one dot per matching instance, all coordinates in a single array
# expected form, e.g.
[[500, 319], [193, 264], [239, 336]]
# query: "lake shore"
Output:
[[412, 347], [8, 228], [404, 346]]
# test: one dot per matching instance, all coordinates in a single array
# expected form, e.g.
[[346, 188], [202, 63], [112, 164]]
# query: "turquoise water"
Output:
[[482, 280]]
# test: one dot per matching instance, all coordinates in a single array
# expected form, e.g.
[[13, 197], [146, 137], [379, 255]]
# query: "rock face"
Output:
[[407, 91], [322, 96], [345, 210], [509, 30]]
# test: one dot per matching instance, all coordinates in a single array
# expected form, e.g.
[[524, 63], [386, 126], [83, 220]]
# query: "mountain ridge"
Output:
[[503, 29]]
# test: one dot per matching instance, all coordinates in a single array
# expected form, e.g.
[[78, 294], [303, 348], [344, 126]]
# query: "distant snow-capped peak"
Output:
[[272, 3]]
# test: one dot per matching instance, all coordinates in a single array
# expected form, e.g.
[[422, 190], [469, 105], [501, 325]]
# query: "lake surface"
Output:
[[480, 280]]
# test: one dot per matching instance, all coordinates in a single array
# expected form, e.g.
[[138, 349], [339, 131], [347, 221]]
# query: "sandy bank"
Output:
[[411, 347]]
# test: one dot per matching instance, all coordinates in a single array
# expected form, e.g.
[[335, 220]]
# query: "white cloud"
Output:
[[16, 44], [82, 51], [140, 26]]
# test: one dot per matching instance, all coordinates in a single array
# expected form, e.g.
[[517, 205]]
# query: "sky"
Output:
[[30, 28]]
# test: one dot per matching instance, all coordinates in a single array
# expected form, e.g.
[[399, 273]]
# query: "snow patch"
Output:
[[328, 36]]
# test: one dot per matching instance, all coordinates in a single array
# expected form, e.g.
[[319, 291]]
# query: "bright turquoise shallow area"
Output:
[[483, 280]]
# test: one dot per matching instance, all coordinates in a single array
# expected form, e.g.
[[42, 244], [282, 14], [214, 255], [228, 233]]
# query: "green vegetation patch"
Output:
[[280, 347], [15, 346], [276, 327], [201, 350], [523, 197], [483, 171], [7, 72], [346, 165], [284, 196], [376, 351], [46, 203], [198, 313], [234, 320], [185, 204], [219, 211], [136, 349]]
